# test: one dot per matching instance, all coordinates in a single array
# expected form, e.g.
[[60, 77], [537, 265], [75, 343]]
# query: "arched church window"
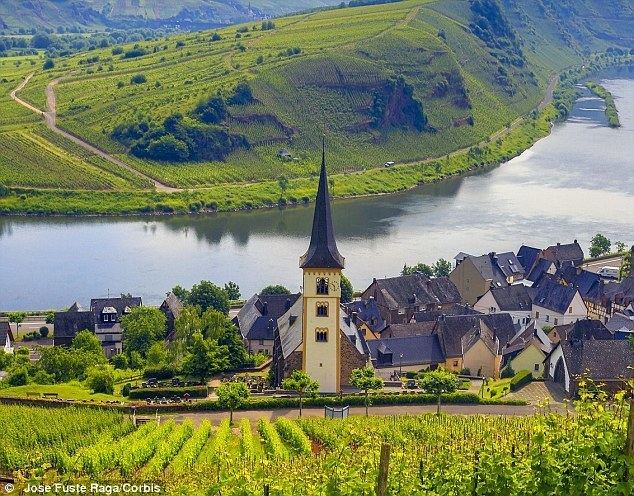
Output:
[[322, 285], [321, 335], [322, 309]]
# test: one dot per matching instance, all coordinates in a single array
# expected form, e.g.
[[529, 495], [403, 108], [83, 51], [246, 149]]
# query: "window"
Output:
[[570, 310], [556, 321], [536, 315], [105, 317], [261, 342], [321, 335], [536, 367], [455, 363], [547, 318], [401, 311], [322, 286], [322, 309]]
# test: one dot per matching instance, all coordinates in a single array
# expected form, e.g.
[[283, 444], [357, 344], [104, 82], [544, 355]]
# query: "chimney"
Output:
[[558, 244], [354, 317], [576, 242], [265, 308], [287, 305]]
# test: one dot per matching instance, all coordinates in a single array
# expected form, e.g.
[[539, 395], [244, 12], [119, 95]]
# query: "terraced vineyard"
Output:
[[440, 455]]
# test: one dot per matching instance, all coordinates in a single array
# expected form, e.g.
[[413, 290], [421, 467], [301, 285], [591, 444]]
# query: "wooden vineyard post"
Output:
[[629, 448], [384, 467], [267, 490]]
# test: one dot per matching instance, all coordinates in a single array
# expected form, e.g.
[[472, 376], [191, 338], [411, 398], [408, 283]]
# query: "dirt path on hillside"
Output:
[[50, 119]]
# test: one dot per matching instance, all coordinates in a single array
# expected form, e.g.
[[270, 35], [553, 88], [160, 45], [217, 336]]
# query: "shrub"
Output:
[[138, 79], [125, 390], [137, 51], [520, 379], [44, 331], [42, 377], [161, 372], [168, 392], [49, 64], [18, 377], [4, 190], [117, 50], [465, 371], [507, 372], [100, 379], [119, 361], [216, 37]]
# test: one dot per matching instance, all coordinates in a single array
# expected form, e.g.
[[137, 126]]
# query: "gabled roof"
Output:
[[257, 319], [514, 298], [527, 256], [173, 304], [526, 337], [480, 332], [598, 359], [119, 304], [539, 270], [553, 296], [451, 329], [404, 330], [5, 329], [416, 350], [571, 252], [588, 283], [367, 312], [68, 324], [417, 289], [452, 309], [587, 329], [322, 251], [290, 328], [620, 322]]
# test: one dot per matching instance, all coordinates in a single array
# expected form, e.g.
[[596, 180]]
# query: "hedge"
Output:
[[520, 379], [168, 392], [159, 373]]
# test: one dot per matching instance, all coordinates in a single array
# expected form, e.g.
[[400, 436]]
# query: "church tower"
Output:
[[322, 264]]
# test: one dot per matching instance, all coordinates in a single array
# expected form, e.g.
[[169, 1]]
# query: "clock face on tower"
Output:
[[334, 286]]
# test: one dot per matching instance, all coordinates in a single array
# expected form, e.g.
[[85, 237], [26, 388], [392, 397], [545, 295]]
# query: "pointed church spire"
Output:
[[322, 252]]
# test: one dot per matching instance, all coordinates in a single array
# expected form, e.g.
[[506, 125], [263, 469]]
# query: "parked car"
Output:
[[609, 272], [411, 384], [388, 164]]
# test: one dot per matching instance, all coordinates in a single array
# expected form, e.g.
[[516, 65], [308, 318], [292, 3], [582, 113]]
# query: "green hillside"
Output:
[[408, 82]]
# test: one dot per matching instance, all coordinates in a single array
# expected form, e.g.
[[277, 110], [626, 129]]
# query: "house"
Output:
[[171, 308], [555, 304], [581, 329], [103, 319], [564, 254], [6, 335], [314, 334], [591, 288], [527, 257], [495, 330], [541, 269], [607, 362], [433, 315], [527, 350], [366, 315], [399, 298], [621, 323], [514, 300], [407, 330], [474, 276], [257, 320], [403, 354]]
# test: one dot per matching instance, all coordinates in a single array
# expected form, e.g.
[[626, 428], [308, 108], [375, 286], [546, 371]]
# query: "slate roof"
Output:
[[322, 251], [539, 270], [571, 252], [527, 336], [120, 304], [367, 311], [68, 324], [527, 256], [620, 322], [405, 330], [587, 329], [588, 283], [451, 329], [416, 350], [5, 329], [453, 309], [480, 332], [258, 317], [417, 289], [513, 298], [553, 296], [173, 304], [599, 359]]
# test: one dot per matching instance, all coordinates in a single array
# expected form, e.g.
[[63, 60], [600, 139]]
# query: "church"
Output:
[[315, 335]]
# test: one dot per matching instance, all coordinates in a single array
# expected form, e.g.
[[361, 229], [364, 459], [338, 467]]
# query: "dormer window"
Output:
[[322, 309], [322, 286]]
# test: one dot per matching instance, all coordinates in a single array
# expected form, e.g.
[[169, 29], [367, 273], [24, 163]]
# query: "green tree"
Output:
[[141, 328], [420, 268], [626, 265], [205, 358], [303, 384], [17, 318], [347, 291], [620, 247], [181, 293], [88, 342], [441, 268], [187, 323], [156, 355], [18, 376], [119, 361], [6, 359], [274, 289], [48, 64], [100, 379], [282, 182], [599, 245], [207, 295], [438, 382], [232, 290], [365, 380], [232, 395]]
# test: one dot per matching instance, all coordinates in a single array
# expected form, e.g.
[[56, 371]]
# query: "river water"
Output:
[[570, 185]]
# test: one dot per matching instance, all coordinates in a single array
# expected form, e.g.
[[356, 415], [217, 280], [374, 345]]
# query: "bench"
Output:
[[32, 395], [50, 395]]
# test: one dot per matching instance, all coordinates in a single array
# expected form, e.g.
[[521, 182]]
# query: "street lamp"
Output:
[[400, 366]]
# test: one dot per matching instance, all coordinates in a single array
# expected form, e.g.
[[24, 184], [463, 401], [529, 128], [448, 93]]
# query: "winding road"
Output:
[[50, 119]]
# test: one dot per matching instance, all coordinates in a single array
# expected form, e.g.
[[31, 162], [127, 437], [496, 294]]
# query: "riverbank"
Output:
[[611, 111], [231, 197]]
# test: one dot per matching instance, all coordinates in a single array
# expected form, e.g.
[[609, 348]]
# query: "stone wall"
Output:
[[350, 359]]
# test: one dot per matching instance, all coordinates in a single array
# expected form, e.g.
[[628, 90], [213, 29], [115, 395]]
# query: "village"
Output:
[[498, 321]]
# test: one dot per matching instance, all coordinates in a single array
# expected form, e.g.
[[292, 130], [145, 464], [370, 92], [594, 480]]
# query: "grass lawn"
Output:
[[496, 389], [68, 391]]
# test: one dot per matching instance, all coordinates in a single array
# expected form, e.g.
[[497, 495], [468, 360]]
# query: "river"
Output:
[[576, 182]]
